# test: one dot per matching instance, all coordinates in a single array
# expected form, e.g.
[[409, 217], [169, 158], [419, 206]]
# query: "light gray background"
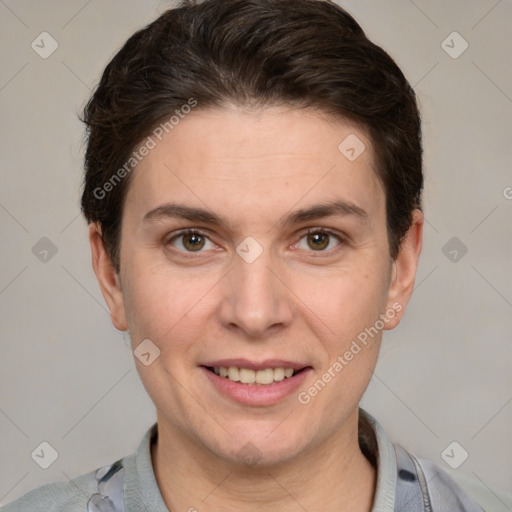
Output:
[[67, 376]]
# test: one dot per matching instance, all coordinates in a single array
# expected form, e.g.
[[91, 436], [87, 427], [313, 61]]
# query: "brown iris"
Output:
[[318, 241], [193, 241]]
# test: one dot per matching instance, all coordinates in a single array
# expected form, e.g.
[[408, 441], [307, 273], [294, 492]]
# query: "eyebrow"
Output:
[[339, 207]]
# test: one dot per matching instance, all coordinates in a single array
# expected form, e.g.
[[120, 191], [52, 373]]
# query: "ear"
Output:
[[108, 278], [403, 273]]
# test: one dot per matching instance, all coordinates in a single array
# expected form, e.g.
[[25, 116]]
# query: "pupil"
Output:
[[318, 241], [194, 241]]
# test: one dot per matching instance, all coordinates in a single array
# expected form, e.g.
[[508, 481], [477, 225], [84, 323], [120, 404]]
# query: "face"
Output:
[[251, 242]]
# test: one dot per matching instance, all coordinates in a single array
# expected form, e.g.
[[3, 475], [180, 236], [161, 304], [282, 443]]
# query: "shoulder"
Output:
[[69, 496], [106, 486], [440, 482]]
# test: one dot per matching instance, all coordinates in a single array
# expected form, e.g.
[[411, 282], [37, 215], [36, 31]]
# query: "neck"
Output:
[[333, 476]]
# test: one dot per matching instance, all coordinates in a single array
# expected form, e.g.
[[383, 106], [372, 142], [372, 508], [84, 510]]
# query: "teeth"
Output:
[[278, 374], [264, 376], [233, 373], [247, 376]]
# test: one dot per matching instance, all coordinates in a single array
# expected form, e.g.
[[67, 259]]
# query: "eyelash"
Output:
[[325, 231]]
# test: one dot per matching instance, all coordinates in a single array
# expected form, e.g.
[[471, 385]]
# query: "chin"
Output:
[[261, 449]]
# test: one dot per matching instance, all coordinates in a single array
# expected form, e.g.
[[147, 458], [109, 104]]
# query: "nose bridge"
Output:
[[255, 300]]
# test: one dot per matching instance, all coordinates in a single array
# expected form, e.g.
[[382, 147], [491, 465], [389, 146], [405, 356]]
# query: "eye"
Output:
[[319, 241], [191, 241]]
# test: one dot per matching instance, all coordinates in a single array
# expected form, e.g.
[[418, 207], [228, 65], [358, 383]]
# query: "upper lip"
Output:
[[255, 365]]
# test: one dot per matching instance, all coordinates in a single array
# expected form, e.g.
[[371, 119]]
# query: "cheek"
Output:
[[161, 304], [346, 301]]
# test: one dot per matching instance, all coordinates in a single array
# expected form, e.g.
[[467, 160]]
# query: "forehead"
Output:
[[238, 160]]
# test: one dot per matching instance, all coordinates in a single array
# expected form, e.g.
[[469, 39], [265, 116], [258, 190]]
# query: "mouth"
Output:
[[256, 384], [261, 377]]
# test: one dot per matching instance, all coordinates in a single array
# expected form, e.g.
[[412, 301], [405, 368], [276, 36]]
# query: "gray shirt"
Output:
[[142, 492]]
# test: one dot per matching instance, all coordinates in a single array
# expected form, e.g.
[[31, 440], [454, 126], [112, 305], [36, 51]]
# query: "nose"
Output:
[[256, 300]]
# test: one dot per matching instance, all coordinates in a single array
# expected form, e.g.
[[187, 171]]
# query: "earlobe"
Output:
[[108, 278], [403, 273]]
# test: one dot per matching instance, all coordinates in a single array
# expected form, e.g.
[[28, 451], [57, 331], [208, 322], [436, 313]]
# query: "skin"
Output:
[[295, 302]]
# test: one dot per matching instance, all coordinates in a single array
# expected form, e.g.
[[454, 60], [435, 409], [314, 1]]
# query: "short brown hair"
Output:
[[258, 53]]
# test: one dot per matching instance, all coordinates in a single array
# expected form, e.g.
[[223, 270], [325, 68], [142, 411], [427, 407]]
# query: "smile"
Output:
[[256, 384], [263, 377]]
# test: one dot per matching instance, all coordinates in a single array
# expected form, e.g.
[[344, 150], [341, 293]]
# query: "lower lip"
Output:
[[254, 394]]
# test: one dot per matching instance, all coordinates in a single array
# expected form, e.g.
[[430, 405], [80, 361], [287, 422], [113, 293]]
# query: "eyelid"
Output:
[[320, 229], [186, 231]]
